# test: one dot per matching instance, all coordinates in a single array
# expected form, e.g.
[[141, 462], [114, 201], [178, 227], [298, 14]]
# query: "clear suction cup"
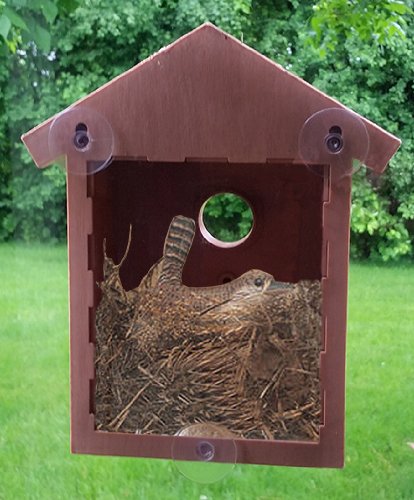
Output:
[[81, 140], [204, 453], [336, 137]]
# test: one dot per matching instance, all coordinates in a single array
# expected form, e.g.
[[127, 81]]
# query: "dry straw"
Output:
[[241, 356]]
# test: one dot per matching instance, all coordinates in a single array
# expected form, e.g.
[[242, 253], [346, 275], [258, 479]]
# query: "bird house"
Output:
[[183, 345]]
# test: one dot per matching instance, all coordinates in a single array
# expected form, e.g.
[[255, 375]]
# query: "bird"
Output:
[[165, 308]]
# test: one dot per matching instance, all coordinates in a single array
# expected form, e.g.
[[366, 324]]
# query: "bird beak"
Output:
[[278, 286]]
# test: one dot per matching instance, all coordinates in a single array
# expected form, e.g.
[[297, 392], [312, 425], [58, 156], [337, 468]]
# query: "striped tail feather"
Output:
[[176, 248]]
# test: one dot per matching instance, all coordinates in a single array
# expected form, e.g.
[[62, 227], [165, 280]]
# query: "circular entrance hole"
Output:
[[226, 220]]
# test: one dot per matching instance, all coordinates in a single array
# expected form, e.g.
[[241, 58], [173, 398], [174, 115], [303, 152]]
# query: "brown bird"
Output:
[[165, 308]]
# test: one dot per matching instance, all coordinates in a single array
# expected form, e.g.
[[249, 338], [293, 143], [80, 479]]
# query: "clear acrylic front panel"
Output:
[[208, 309]]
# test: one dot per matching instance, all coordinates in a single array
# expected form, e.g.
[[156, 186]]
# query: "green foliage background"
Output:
[[227, 217], [361, 52]]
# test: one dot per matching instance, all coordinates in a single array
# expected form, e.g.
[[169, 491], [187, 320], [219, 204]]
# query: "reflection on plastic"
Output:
[[204, 453], [336, 137], [81, 140]]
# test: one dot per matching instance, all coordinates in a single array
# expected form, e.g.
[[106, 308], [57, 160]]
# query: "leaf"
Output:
[[15, 19], [395, 28], [41, 37], [50, 10], [398, 7], [68, 5], [18, 3], [243, 6], [316, 24], [5, 26]]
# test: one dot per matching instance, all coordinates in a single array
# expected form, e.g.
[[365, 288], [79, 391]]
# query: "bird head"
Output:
[[256, 281]]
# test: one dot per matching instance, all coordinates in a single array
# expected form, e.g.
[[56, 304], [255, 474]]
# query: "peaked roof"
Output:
[[208, 95]]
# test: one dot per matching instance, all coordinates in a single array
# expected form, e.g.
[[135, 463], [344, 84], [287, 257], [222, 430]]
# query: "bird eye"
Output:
[[258, 282]]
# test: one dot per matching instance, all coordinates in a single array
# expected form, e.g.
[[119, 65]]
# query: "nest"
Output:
[[250, 365]]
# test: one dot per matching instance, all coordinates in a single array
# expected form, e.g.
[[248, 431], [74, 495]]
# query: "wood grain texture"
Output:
[[208, 95]]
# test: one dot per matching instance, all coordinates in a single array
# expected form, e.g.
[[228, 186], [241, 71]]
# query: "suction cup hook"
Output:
[[81, 140], [204, 453], [336, 137]]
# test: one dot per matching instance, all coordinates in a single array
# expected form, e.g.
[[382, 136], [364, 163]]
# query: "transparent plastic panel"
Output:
[[196, 338]]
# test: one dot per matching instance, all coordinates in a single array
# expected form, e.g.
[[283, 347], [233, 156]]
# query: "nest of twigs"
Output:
[[249, 363], [258, 376]]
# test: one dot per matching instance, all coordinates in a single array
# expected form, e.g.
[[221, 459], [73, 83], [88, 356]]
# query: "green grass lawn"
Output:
[[35, 462]]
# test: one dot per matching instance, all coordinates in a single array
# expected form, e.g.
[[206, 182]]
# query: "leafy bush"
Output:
[[375, 231], [227, 217]]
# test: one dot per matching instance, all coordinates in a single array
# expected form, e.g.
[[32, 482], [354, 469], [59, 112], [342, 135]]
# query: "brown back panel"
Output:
[[286, 199]]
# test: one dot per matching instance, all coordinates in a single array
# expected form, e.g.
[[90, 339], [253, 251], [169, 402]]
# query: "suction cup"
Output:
[[204, 453], [336, 137], [81, 140]]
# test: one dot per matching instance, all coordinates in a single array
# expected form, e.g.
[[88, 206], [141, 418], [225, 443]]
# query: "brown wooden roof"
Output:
[[208, 95]]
